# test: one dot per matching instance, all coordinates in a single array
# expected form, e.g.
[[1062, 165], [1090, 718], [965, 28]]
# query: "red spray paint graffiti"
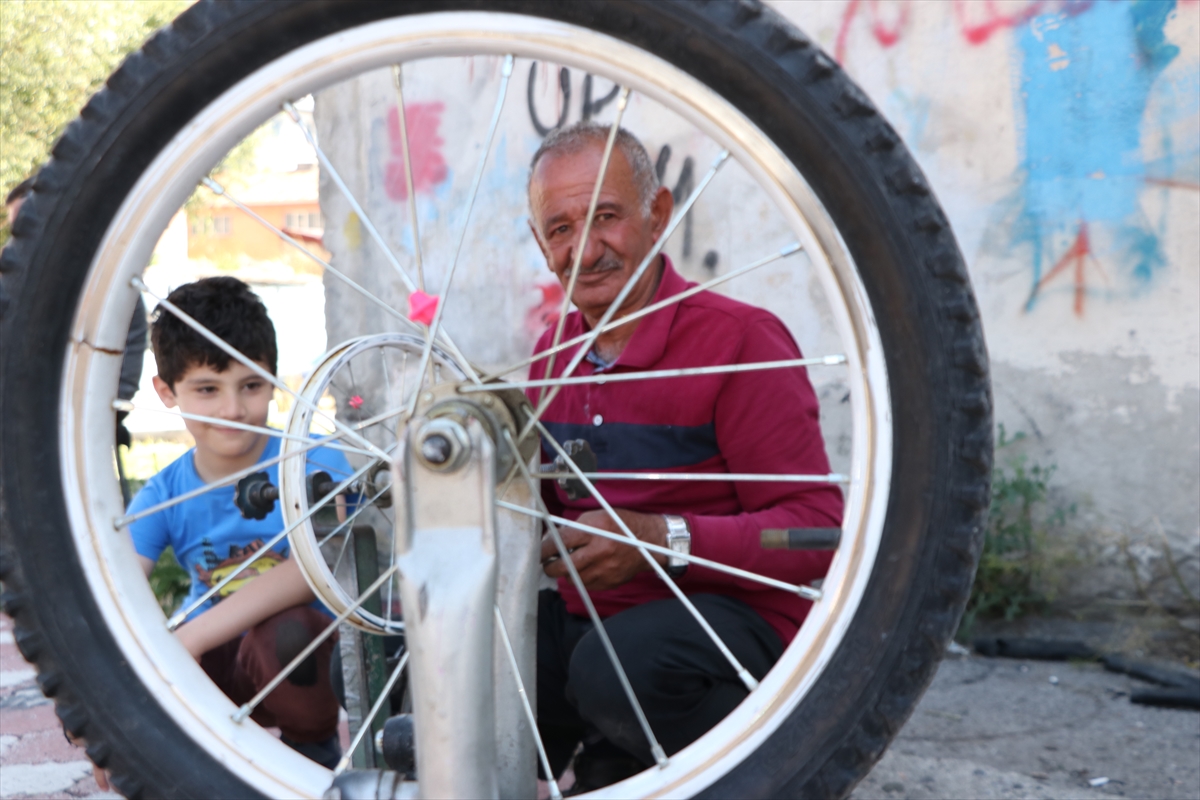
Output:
[[545, 313], [1075, 259], [977, 20], [977, 28], [424, 147], [884, 34]]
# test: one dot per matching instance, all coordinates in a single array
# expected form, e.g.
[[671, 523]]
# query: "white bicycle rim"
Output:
[[98, 334]]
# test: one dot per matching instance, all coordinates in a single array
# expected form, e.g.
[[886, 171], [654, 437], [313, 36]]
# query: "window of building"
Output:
[[301, 219], [212, 226]]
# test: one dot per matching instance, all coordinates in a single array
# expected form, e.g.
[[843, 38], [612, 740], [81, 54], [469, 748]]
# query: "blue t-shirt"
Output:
[[208, 533]]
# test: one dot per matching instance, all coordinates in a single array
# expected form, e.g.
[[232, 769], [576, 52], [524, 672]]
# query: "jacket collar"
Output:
[[649, 341]]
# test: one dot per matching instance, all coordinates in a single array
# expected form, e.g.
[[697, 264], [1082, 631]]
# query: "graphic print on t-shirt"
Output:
[[217, 569]]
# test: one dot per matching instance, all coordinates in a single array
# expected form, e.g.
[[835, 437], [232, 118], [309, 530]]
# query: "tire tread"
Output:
[[932, 609]]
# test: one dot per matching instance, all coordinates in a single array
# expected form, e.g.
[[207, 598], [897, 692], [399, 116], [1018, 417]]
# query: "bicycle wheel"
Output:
[[875, 243]]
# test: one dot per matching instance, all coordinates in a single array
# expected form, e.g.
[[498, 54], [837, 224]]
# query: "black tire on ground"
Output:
[[870, 186]]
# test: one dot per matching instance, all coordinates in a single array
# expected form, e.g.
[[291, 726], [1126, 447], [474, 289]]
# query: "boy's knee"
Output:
[[283, 637], [291, 637]]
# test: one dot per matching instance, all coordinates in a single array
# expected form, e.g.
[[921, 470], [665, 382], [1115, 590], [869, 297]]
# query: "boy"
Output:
[[241, 646]]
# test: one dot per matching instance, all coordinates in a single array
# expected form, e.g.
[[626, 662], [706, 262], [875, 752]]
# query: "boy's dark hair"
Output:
[[225, 306]]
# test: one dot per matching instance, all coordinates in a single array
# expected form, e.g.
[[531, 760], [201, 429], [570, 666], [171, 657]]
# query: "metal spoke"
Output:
[[547, 398], [431, 335], [806, 592], [698, 476], [555, 794], [248, 708], [341, 184], [387, 388], [660, 755], [618, 377], [391, 563], [128, 519], [365, 727], [436, 325], [387, 383], [187, 319], [127, 406], [650, 309], [747, 679], [179, 617], [398, 82], [462, 361], [337, 562], [622, 102]]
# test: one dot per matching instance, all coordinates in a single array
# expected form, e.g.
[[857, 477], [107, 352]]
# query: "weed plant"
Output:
[[1008, 583], [169, 581]]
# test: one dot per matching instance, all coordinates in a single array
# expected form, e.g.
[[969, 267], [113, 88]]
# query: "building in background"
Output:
[[226, 235]]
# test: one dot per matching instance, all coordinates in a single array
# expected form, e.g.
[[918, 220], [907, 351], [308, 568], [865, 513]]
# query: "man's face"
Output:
[[621, 232], [237, 394]]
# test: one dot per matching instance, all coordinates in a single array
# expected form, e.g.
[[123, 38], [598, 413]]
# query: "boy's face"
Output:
[[237, 394]]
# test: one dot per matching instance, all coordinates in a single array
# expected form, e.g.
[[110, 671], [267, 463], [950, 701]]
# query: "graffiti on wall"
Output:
[[588, 107], [1083, 171], [1087, 74], [976, 20], [422, 121]]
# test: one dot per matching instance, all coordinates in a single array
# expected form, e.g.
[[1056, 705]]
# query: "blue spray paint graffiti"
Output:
[[1087, 73]]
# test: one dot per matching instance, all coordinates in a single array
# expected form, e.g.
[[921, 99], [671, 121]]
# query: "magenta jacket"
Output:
[[754, 422]]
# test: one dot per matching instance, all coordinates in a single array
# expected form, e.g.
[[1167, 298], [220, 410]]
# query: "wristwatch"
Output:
[[679, 539]]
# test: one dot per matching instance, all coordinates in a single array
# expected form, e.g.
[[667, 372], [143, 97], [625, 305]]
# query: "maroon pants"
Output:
[[303, 706]]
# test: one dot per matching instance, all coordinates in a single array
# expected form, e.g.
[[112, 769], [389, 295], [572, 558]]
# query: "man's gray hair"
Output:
[[574, 138]]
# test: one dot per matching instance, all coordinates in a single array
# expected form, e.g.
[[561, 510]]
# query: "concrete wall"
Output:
[[503, 294], [1062, 139]]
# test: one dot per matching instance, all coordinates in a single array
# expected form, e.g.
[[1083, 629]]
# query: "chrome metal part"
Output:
[[379, 486], [442, 445], [446, 554], [518, 538], [370, 784]]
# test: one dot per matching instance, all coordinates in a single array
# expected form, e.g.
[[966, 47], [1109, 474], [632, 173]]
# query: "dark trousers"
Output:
[[684, 684], [303, 706]]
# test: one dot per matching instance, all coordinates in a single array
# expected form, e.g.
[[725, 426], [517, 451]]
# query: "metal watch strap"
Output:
[[679, 539]]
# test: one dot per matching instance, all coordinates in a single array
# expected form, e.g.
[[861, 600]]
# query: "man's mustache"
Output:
[[605, 264]]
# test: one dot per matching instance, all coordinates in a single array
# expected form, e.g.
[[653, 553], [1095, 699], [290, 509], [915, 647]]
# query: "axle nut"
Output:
[[444, 444], [436, 449]]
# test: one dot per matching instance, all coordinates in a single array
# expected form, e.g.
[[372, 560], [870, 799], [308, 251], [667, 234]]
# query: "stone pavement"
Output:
[[987, 729], [35, 758]]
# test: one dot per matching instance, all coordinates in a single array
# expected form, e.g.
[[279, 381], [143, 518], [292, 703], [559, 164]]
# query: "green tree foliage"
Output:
[[54, 55]]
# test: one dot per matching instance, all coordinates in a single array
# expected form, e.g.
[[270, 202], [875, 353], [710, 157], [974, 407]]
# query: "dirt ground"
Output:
[[1005, 728]]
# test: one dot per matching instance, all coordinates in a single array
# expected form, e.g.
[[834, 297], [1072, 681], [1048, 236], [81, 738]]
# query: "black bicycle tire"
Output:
[[870, 186]]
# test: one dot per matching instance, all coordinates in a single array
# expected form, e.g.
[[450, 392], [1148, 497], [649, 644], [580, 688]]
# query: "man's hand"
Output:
[[603, 563]]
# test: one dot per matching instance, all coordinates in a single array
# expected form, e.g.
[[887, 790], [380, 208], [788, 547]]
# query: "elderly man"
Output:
[[758, 422]]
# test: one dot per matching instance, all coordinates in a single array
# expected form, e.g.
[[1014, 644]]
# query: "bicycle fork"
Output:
[[458, 561]]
